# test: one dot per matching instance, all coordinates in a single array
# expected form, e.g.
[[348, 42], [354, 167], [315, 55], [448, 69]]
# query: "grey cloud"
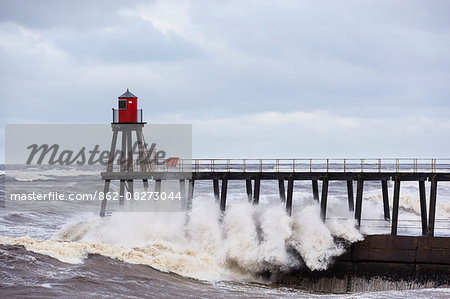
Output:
[[131, 41], [80, 14], [372, 59]]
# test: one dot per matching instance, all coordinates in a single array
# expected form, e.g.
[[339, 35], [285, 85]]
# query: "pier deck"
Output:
[[253, 171]]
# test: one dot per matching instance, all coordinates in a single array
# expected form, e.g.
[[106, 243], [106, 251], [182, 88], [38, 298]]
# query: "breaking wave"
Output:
[[205, 244]]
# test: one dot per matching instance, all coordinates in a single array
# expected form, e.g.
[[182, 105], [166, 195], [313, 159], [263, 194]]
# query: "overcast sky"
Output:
[[269, 79]]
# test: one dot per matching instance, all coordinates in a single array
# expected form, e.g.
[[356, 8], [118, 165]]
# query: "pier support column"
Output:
[[433, 195], [395, 206], [223, 195], [256, 192], [183, 190], [385, 192], [122, 192], [112, 151], [143, 161], [315, 187], [281, 190], [248, 187], [423, 207], [130, 189], [145, 183], [359, 199], [351, 204], [216, 189], [130, 165], [323, 201], [190, 194], [158, 186], [290, 192], [104, 201]]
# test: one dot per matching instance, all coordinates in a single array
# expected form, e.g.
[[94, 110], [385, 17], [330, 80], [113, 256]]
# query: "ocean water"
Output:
[[200, 254]]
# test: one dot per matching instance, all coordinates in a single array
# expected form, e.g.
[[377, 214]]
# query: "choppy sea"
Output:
[[203, 254]]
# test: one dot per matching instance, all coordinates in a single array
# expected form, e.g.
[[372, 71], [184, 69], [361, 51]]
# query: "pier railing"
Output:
[[394, 165], [139, 115]]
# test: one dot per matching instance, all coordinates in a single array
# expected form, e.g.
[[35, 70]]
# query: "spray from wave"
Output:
[[238, 245]]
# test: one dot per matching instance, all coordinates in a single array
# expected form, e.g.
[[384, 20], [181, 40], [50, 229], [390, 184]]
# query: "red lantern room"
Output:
[[127, 112]]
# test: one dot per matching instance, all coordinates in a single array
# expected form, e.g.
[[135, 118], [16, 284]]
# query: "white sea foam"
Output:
[[246, 240], [28, 176]]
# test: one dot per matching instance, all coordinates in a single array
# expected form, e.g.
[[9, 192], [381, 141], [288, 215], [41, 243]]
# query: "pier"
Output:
[[286, 171], [388, 260]]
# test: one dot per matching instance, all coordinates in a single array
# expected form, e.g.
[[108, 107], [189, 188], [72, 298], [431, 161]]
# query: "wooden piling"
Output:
[[130, 151], [385, 193], [216, 189], [248, 187], [290, 193], [190, 194], [395, 206], [323, 201], [130, 189], [122, 192], [112, 150], [257, 190], [281, 190], [223, 195], [359, 198], [182, 190], [158, 186], [145, 183], [315, 187], [423, 207], [351, 204], [123, 161], [104, 201], [433, 195]]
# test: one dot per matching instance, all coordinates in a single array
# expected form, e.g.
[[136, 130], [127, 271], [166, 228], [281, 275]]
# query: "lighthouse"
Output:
[[127, 122], [127, 112]]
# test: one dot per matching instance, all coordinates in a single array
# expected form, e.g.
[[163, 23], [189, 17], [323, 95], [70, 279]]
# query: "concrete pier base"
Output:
[[379, 263]]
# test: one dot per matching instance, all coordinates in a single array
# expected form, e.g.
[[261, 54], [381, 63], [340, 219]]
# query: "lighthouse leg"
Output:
[[104, 201], [130, 189], [123, 152], [122, 192], [130, 152], [110, 165], [142, 159]]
